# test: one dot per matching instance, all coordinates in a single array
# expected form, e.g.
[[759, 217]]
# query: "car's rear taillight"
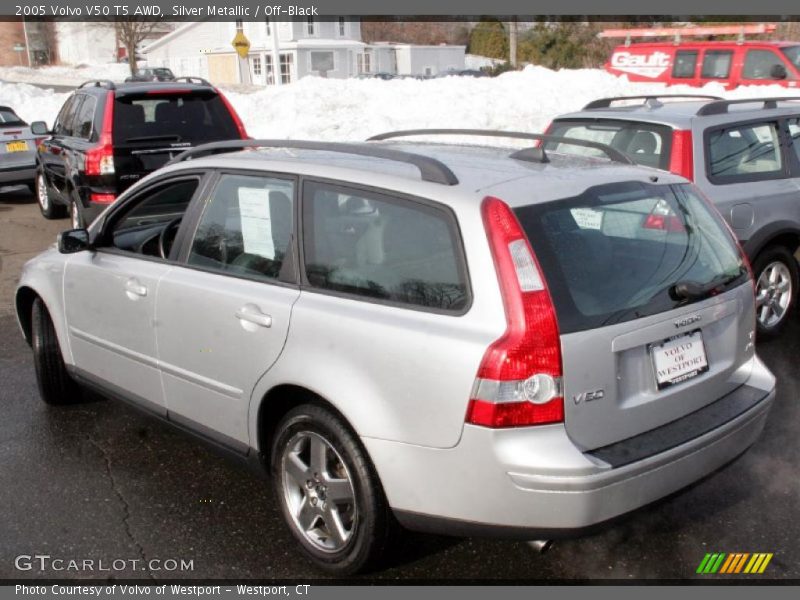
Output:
[[681, 156], [234, 116], [100, 159], [102, 198], [519, 381], [663, 218]]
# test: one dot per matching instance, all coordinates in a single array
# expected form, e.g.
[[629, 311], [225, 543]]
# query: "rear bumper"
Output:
[[24, 174], [535, 483]]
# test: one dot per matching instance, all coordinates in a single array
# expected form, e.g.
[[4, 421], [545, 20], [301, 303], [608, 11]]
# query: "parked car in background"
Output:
[[463, 73], [152, 74], [465, 339], [743, 154], [17, 150], [731, 62], [107, 136]]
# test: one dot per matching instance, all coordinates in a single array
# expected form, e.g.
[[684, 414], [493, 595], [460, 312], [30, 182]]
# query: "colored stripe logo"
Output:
[[734, 563]]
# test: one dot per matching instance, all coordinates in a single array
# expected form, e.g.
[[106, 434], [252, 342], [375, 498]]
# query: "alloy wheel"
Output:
[[318, 492], [773, 294], [41, 192]]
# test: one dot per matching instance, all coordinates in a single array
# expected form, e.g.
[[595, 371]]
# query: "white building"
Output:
[[298, 48], [81, 42]]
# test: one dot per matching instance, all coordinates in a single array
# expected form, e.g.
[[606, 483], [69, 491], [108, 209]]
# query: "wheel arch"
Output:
[[24, 299], [779, 234]]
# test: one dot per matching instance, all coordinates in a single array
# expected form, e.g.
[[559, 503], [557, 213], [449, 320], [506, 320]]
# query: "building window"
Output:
[[257, 66], [269, 27], [364, 63], [269, 70], [310, 26], [287, 60], [239, 26], [341, 26]]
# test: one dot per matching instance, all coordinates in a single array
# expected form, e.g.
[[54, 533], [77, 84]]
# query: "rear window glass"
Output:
[[645, 143], [9, 117], [195, 118], [616, 252], [744, 153]]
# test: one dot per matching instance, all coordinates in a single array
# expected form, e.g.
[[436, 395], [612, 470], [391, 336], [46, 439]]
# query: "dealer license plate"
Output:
[[679, 359], [18, 146]]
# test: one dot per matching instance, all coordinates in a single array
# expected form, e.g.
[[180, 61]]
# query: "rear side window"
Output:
[[685, 64], [794, 132], [194, 118], [66, 117], [716, 64], [84, 118], [383, 248], [246, 228], [645, 143], [761, 64], [615, 252], [744, 153]]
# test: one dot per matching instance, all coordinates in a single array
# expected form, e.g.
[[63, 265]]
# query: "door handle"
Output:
[[252, 314], [135, 289]]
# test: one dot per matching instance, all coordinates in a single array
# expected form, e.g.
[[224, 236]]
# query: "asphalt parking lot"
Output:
[[98, 481]]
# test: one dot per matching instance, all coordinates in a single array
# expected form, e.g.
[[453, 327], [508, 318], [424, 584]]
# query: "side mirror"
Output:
[[778, 72], [73, 240], [39, 128]]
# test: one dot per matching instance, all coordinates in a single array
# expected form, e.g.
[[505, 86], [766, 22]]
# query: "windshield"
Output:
[[619, 251], [645, 143], [793, 54]]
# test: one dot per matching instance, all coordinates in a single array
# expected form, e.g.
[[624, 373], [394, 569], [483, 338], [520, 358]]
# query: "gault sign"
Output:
[[241, 44]]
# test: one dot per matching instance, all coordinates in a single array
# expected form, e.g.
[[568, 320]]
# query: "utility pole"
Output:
[[512, 42]]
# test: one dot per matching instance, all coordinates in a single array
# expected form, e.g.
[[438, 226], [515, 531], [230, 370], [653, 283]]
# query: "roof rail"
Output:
[[529, 154], [197, 80], [430, 169], [106, 83], [721, 106], [606, 102]]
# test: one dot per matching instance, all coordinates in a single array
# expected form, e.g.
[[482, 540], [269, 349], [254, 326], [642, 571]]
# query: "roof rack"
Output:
[[721, 106], [197, 80], [106, 83], [606, 102], [430, 169], [536, 154]]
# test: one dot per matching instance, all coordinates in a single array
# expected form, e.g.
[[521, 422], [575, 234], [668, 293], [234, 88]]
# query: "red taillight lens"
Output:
[[663, 218], [100, 159], [234, 116], [519, 379], [681, 156], [102, 198]]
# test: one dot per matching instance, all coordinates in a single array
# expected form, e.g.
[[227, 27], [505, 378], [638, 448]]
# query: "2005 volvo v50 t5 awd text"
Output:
[[463, 339]]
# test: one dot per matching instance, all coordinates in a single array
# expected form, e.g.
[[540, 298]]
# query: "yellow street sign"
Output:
[[241, 44]]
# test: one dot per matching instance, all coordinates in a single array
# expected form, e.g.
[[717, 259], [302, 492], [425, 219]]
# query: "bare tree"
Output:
[[130, 33]]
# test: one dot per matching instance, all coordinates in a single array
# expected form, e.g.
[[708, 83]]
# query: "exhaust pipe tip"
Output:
[[540, 546]]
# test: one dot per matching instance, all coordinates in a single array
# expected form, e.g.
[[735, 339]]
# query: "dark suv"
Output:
[[108, 136]]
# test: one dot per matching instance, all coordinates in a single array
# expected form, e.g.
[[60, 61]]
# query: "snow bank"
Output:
[[353, 109], [58, 75]]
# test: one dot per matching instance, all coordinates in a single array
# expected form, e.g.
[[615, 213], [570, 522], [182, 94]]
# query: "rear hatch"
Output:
[[17, 143], [154, 125], [654, 305]]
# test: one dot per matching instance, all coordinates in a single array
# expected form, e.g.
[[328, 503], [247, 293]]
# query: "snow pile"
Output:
[[62, 75], [354, 109]]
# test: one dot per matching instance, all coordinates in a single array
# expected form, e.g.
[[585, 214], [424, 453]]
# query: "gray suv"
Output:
[[463, 339], [743, 154]]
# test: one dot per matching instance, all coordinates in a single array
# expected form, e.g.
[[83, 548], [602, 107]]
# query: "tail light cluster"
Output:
[[681, 156], [234, 116], [663, 218], [100, 159], [519, 381]]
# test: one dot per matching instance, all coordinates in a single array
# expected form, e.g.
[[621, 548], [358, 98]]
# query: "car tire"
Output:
[[776, 274], [345, 535], [55, 384], [48, 208]]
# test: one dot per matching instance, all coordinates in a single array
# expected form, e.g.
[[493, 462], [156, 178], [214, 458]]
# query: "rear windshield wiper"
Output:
[[692, 290], [153, 138]]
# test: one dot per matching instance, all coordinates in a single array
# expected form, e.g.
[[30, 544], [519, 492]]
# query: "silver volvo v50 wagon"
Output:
[[464, 339]]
